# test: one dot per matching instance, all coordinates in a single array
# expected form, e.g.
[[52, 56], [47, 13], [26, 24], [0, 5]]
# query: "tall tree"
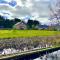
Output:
[[36, 24], [30, 24], [1, 21], [17, 20]]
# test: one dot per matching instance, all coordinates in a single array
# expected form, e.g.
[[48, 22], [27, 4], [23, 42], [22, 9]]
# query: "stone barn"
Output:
[[20, 25]]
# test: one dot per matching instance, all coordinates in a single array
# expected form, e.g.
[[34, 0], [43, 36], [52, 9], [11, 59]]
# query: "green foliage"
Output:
[[33, 24], [30, 24], [7, 23]]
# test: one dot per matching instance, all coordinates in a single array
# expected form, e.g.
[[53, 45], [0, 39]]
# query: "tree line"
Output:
[[30, 25], [8, 24]]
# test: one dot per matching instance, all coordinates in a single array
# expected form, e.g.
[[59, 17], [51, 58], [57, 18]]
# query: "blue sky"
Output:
[[34, 9], [12, 2]]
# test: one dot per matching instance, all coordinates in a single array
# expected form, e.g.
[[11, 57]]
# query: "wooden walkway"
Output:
[[29, 54]]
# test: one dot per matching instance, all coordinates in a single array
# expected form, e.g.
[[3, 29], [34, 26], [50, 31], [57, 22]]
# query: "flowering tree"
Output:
[[55, 12]]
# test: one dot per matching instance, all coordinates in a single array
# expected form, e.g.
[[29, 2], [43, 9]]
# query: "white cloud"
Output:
[[8, 0], [37, 0], [35, 15], [33, 8], [44, 21], [6, 14], [28, 3], [19, 3]]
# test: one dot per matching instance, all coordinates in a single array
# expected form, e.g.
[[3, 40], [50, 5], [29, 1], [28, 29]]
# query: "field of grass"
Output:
[[26, 33]]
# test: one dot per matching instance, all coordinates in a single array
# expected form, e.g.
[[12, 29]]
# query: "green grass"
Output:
[[26, 33]]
